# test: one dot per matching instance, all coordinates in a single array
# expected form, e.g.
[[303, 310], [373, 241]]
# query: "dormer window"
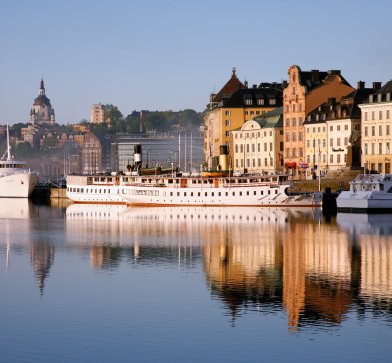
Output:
[[248, 101], [272, 101], [260, 101]]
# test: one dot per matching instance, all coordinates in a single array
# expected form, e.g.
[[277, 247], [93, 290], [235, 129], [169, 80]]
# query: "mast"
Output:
[[185, 153], [8, 145], [179, 151], [191, 154]]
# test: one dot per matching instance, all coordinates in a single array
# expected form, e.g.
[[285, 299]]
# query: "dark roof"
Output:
[[386, 88], [42, 100], [314, 78], [266, 93], [346, 108]]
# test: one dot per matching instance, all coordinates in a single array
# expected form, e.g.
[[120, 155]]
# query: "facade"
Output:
[[376, 132], [91, 155], [333, 132], [258, 144], [97, 114], [234, 104], [42, 112], [306, 90]]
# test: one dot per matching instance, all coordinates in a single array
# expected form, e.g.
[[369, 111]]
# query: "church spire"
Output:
[[42, 87]]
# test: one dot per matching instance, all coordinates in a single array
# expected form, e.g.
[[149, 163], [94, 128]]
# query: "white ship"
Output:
[[16, 180], [368, 193], [248, 190]]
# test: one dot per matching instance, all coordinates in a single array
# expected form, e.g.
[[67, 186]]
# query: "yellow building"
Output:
[[234, 104]]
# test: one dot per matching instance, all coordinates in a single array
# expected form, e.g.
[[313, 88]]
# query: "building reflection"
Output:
[[255, 259]]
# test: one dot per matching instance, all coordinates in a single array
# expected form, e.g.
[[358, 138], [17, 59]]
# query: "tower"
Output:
[[42, 111]]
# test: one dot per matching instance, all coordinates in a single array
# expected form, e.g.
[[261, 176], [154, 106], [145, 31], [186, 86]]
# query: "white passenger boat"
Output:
[[16, 180], [247, 190], [369, 193]]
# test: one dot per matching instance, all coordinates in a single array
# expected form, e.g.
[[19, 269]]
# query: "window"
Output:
[[248, 101], [236, 148], [294, 152], [380, 148], [308, 143], [338, 141], [287, 153], [301, 121], [324, 142], [265, 162], [287, 122], [331, 142], [387, 115], [294, 136], [227, 113], [345, 141], [265, 146], [345, 127], [300, 136], [387, 168], [366, 131], [338, 158], [388, 130], [388, 150], [373, 115], [253, 148], [373, 148], [366, 117], [379, 168], [331, 158], [380, 115], [227, 122], [272, 101], [227, 133], [294, 122], [271, 146], [301, 152], [293, 107], [300, 108], [373, 130], [260, 101], [380, 130], [330, 128], [338, 127], [366, 149]]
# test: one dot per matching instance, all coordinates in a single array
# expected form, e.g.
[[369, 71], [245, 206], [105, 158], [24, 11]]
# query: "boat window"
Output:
[[247, 193], [233, 194], [254, 193], [212, 194], [184, 194], [191, 194], [240, 193], [205, 194], [381, 186]]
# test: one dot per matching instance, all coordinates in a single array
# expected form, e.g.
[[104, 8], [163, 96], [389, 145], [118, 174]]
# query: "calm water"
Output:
[[111, 284]]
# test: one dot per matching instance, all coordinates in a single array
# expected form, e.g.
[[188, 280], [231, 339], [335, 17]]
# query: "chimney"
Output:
[[315, 75], [360, 85], [376, 85]]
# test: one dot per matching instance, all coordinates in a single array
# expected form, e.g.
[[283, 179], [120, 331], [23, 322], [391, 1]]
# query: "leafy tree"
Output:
[[23, 150], [49, 142], [16, 130], [189, 119]]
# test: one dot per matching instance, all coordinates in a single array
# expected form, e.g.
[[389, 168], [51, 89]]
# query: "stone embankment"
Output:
[[336, 181]]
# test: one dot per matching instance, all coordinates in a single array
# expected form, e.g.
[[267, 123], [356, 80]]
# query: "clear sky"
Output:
[[171, 54]]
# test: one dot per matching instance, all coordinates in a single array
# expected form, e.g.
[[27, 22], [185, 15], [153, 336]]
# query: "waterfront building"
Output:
[[306, 90], [91, 154], [97, 114], [333, 133], [42, 112], [258, 144], [376, 139], [228, 109]]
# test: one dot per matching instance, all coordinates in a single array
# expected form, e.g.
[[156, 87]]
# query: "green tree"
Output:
[[23, 150], [189, 119]]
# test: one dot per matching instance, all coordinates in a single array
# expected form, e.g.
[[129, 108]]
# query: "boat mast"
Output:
[[185, 153], [179, 151], [191, 154], [8, 145]]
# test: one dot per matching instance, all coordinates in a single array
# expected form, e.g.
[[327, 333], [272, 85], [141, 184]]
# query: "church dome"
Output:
[[42, 100]]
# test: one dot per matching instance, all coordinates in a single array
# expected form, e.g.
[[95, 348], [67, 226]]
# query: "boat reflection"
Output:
[[16, 208], [254, 258]]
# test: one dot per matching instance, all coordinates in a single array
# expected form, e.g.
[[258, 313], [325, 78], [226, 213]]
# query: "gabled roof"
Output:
[[232, 85], [386, 88], [315, 78]]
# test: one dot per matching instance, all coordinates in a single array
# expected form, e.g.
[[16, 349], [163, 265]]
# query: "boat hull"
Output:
[[18, 185], [364, 202]]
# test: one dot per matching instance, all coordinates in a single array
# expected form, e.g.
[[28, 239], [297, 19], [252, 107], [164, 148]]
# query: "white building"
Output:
[[258, 144], [377, 130]]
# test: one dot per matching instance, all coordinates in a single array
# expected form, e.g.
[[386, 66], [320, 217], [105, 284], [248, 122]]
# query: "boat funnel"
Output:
[[223, 156], [137, 155]]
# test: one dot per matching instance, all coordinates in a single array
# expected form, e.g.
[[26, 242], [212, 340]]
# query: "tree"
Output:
[[189, 119], [23, 149]]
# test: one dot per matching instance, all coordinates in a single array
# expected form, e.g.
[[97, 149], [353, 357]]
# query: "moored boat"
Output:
[[369, 193], [170, 189], [16, 180]]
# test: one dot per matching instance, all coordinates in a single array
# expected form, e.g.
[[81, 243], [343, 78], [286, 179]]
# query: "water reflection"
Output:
[[258, 260]]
